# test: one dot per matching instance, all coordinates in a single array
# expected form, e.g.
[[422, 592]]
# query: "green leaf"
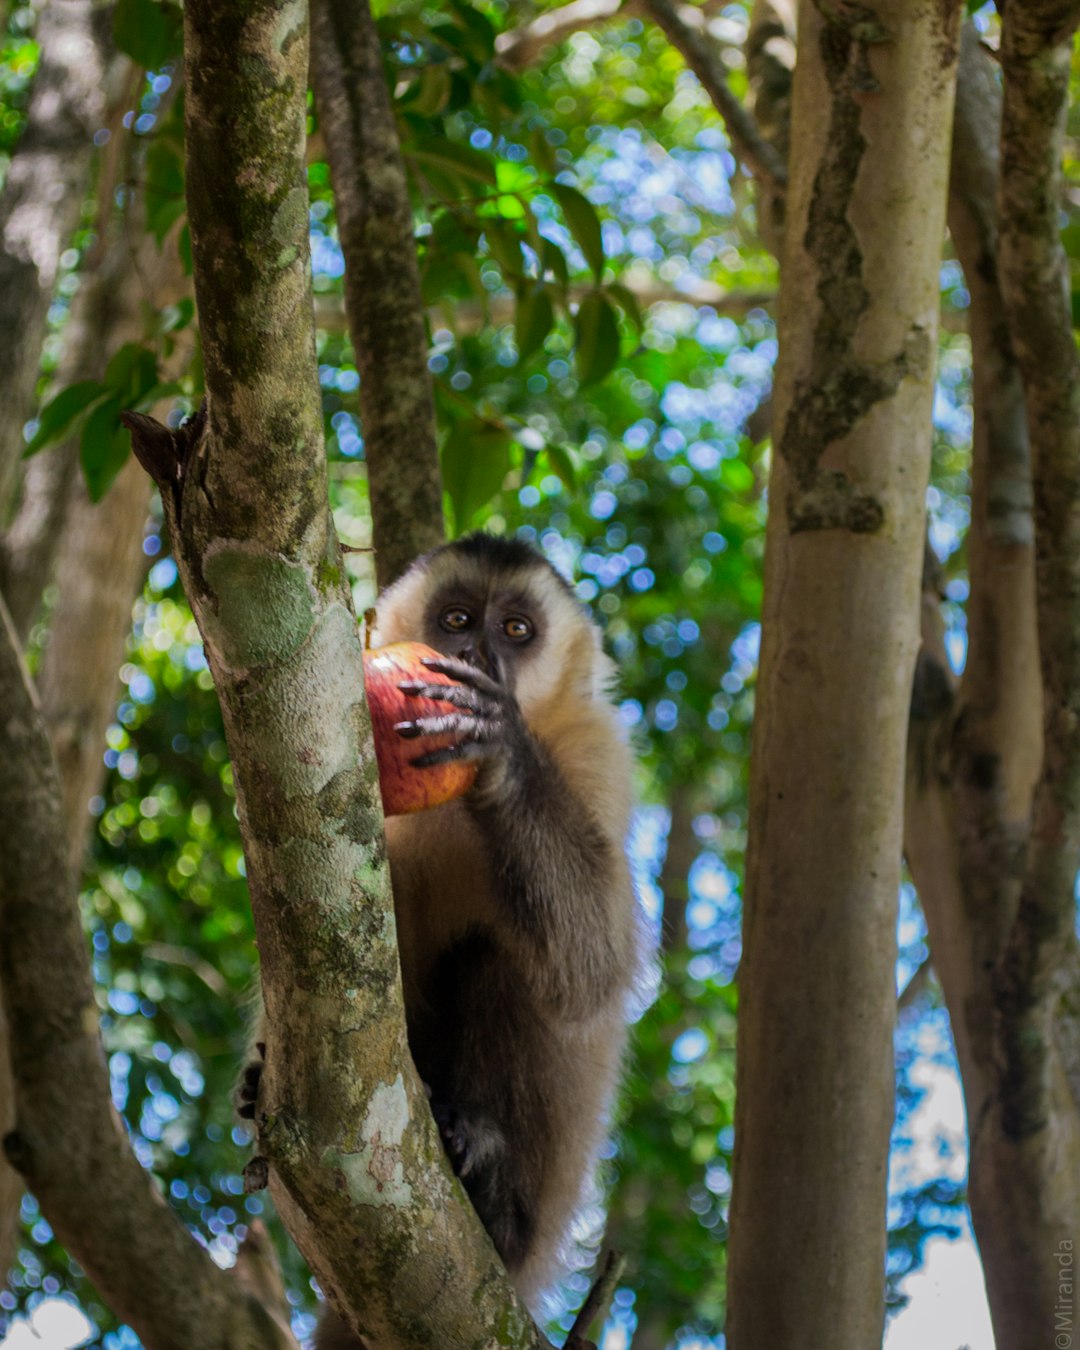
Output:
[[164, 187], [553, 260], [533, 318], [148, 32], [543, 153], [104, 448], [584, 224], [175, 317], [156, 393], [131, 372], [475, 460], [625, 298], [597, 338], [459, 160], [58, 415], [504, 244], [478, 28], [431, 93], [563, 464]]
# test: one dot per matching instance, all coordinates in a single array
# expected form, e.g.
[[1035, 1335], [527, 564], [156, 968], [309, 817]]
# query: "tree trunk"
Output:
[[859, 303], [11, 1186], [382, 284], [40, 204], [101, 563], [680, 854], [354, 1159]]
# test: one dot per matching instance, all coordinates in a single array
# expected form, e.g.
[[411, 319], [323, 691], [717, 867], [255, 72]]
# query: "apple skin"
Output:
[[404, 787]]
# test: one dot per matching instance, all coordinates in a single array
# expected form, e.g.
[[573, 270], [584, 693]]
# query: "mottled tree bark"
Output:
[[859, 303], [39, 207], [382, 284], [355, 1164], [1026, 1152]]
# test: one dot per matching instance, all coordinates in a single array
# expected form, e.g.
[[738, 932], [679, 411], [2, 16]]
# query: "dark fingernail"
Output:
[[410, 686], [407, 729]]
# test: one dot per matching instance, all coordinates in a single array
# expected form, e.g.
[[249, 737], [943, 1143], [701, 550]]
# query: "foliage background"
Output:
[[601, 327]]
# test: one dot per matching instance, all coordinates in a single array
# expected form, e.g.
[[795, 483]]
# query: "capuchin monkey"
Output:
[[516, 917]]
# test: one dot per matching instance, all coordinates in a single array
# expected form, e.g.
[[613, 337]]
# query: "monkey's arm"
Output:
[[562, 883]]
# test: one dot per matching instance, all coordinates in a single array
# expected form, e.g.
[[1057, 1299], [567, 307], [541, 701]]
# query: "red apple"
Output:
[[404, 787]]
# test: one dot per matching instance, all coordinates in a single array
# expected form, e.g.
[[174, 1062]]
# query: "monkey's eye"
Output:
[[517, 629], [455, 619]]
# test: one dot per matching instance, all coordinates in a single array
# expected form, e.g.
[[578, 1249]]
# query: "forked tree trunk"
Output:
[[865, 215]]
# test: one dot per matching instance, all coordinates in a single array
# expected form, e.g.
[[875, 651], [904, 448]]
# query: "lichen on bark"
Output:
[[838, 389]]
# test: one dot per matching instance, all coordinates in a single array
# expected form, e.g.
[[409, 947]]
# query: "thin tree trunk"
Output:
[[859, 302], [770, 66], [1026, 1150], [11, 1186], [382, 284], [682, 849], [40, 204], [101, 560]]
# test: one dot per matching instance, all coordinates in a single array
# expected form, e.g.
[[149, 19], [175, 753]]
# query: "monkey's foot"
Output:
[[470, 1141], [247, 1090]]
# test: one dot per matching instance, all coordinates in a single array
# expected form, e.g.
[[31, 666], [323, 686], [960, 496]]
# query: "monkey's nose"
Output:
[[479, 654]]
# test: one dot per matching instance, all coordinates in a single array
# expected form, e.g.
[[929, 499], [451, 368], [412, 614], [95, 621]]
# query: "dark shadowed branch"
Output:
[[702, 55], [41, 201], [1036, 49], [382, 284], [518, 48]]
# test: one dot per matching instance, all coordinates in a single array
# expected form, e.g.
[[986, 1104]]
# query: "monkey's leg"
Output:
[[487, 1055]]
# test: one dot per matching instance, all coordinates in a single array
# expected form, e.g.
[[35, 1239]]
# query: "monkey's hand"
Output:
[[485, 716]]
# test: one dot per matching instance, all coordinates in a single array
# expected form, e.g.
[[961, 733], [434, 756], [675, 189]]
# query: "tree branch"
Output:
[[1001, 688], [770, 67], [1035, 58], [679, 855], [69, 1143], [356, 1166], [382, 284], [702, 56], [519, 48], [40, 203]]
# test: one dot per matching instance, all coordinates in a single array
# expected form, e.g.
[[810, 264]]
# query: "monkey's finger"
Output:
[[437, 726], [465, 674], [453, 694]]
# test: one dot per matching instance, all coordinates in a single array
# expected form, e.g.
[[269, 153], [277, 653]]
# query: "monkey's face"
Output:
[[502, 608]]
